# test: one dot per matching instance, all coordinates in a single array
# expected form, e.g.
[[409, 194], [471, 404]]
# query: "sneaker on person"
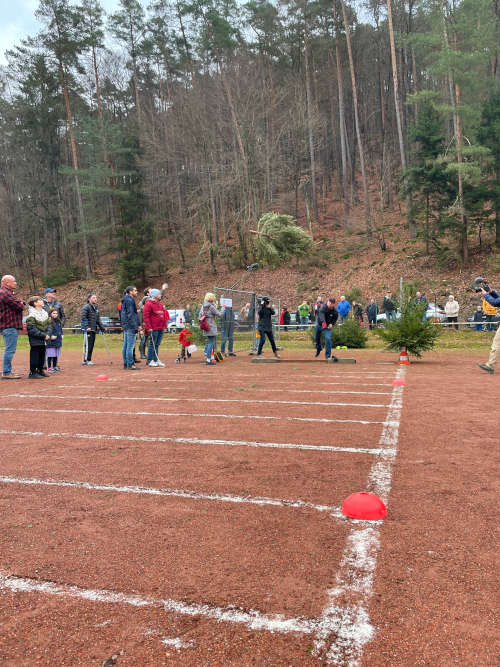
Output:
[[133, 368], [160, 364], [51, 370], [232, 354], [57, 369], [10, 376], [90, 363], [154, 364], [34, 376], [486, 368]]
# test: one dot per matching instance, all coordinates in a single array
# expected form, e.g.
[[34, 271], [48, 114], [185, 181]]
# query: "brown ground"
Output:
[[435, 589]]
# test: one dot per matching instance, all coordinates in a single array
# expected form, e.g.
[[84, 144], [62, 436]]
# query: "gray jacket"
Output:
[[211, 312]]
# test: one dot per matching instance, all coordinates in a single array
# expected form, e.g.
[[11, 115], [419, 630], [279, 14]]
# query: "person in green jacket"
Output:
[[304, 314]]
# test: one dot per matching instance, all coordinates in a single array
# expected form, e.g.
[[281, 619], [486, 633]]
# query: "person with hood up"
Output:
[[91, 324], [156, 318], [130, 322], [37, 324]]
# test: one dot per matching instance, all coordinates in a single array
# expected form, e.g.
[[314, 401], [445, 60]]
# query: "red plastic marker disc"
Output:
[[398, 383], [365, 506], [102, 377]]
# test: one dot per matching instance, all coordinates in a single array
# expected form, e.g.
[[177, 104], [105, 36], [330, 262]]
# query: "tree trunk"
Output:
[[81, 214], [310, 122], [409, 203], [368, 217], [343, 148]]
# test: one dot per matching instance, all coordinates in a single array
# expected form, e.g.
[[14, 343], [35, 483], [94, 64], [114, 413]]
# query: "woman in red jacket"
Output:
[[156, 318]]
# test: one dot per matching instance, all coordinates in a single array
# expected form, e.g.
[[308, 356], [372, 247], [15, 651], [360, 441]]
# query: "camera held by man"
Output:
[[493, 298]]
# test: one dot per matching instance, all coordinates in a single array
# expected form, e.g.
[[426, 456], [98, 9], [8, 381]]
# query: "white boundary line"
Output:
[[197, 441], [204, 415], [269, 384], [199, 400], [354, 579], [252, 619], [177, 493]]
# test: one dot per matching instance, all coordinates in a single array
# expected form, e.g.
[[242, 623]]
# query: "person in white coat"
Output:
[[451, 309]]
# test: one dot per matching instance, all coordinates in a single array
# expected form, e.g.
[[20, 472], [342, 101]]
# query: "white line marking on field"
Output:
[[197, 441], [204, 415], [177, 643], [177, 493], [354, 579], [254, 620], [270, 382], [198, 400]]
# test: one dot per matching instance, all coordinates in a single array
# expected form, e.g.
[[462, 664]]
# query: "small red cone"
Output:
[[398, 383], [102, 377], [365, 506], [403, 356]]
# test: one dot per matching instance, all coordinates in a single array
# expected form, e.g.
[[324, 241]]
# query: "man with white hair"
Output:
[[11, 322]]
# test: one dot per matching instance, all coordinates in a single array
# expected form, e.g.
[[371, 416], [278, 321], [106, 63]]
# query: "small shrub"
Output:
[[349, 334], [410, 330], [355, 294]]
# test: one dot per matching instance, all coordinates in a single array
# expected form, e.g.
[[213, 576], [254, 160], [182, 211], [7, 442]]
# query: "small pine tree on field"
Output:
[[279, 238], [411, 331]]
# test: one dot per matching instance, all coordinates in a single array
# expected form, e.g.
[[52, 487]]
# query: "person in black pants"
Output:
[[266, 326], [37, 324], [91, 323]]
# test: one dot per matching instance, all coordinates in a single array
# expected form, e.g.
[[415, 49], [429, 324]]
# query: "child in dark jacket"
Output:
[[54, 344], [185, 339], [37, 324]]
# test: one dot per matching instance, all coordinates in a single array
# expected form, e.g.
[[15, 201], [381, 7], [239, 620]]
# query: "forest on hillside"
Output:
[[179, 123]]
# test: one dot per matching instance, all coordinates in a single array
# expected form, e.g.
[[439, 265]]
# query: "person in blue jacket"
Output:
[[343, 308], [130, 322], [492, 298]]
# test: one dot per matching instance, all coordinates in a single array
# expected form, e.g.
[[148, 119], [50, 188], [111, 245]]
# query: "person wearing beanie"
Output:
[[91, 324], [156, 318]]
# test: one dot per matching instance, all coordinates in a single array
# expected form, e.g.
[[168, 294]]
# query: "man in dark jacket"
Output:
[[228, 324], [327, 316], [388, 306], [51, 303], [130, 323], [371, 313], [11, 322], [492, 298], [91, 324], [265, 326]]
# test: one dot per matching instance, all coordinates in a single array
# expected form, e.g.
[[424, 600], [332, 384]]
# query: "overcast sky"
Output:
[[18, 21]]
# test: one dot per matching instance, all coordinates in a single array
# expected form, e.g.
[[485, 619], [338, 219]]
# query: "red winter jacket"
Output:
[[155, 315], [186, 338]]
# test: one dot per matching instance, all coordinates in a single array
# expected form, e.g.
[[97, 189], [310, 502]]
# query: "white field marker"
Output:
[[254, 620], [178, 493], [204, 415], [198, 400], [354, 579], [376, 451], [270, 384]]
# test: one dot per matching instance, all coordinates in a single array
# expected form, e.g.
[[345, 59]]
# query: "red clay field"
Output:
[[191, 515]]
